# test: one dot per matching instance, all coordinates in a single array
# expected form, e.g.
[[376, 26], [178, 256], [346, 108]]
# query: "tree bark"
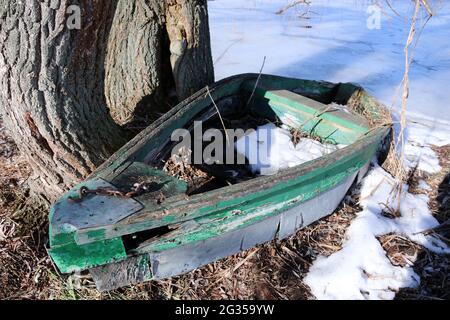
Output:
[[55, 82], [52, 90], [135, 61], [188, 31], [156, 48]]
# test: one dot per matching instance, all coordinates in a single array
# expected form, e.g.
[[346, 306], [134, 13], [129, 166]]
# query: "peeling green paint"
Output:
[[72, 257]]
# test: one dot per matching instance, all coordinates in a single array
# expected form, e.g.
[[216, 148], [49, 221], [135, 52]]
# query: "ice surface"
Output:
[[332, 42], [270, 149]]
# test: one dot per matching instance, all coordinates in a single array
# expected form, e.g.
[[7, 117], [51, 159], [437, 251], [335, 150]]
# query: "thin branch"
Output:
[[220, 116], [427, 7], [392, 8], [293, 4], [257, 80], [226, 50]]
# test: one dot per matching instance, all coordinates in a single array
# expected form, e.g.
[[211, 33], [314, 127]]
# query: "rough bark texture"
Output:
[[155, 47], [134, 67], [52, 89], [56, 83], [191, 60]]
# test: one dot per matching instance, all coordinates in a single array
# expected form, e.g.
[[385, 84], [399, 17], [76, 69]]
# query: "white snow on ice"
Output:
[[270, 149], [417, 149], [333, 43]]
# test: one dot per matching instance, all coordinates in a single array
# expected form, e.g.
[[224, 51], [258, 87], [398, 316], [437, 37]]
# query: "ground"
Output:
[[271, 271]]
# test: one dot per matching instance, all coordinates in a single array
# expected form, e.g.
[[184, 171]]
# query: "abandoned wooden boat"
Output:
[[124, 234]]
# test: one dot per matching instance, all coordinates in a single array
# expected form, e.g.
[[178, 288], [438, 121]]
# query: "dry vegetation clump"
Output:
[[379, 116], [432, 268], [440, 187], [178, 166], [23, 260], [400, 250]]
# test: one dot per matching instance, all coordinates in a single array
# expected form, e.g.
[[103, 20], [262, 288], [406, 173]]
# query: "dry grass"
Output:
[[23, 262], [178, 166], [400, 250], [384, 117], [433, 269]]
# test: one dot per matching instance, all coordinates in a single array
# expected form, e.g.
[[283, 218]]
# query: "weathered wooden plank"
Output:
[[310, 116], [115, 275]]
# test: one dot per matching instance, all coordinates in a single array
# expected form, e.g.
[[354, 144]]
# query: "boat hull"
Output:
[[182, 259], [185, 232]]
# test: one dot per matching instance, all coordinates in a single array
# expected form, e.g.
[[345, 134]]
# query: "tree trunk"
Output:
[[155, 47], [191, 60], [53, 79], [52, 90]]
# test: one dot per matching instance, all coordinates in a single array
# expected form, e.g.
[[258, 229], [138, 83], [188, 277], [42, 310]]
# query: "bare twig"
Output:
[[388, 2], [257, 80], [226, 50], [220, 116], [293, 4], [427, 7], [251, 254]]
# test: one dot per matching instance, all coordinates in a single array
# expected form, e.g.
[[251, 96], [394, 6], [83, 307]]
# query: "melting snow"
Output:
[[270, 149], [424, 186], [419, 137], [361, 270]]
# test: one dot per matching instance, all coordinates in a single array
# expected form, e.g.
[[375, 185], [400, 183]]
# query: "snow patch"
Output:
[[420, 136], [361, 270], [270, 149], [423, 185]]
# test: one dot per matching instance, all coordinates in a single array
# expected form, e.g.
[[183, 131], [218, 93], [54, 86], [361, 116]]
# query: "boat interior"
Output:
[[317, 111], [314, 111]]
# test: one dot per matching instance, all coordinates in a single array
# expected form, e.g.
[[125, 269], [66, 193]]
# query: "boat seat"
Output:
[[96, 210], [332, 124]]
